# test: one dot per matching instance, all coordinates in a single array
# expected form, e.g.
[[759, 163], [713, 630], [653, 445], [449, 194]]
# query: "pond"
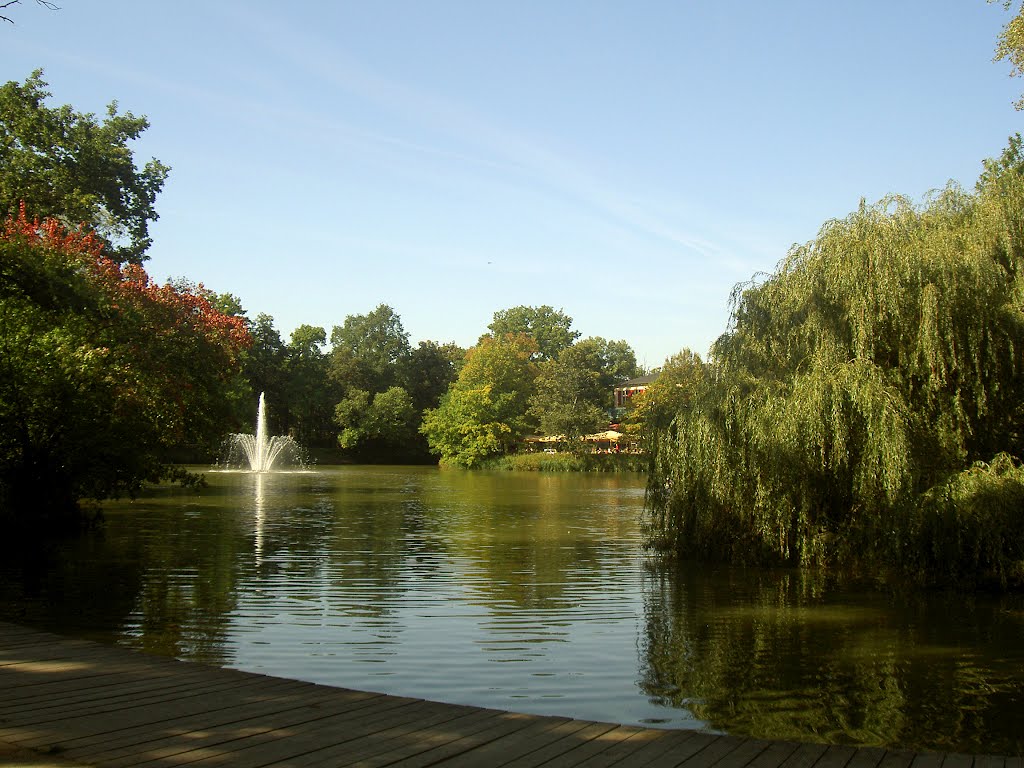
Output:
[[528, 592]]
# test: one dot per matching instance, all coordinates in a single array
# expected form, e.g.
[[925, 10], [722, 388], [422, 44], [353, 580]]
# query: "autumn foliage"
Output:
[[103, 371]]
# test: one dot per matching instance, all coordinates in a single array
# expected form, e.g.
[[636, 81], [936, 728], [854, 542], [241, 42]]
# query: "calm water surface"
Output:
[[527, 592]]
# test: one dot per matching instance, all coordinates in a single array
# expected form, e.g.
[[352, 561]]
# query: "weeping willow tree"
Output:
[[865, 404]]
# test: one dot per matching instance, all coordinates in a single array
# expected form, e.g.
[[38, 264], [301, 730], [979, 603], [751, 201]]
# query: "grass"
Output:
[[568, 462]]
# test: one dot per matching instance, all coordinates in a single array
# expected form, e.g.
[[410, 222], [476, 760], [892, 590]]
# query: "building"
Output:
[[627, 390]]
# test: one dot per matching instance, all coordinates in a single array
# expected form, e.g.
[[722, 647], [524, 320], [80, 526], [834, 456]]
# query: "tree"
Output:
[[674, 391], [368, 350], [381, 424], [484, 413], [564, 403], [103, 373], [44, 3], [1010, 45], [68, 165], [228, 304], [239, 394], [574, 392], [429, 370], [549, 328], [263, 365], [613, 361], [309, 396], [865, 404]]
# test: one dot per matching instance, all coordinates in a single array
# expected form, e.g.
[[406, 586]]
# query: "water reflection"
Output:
[[786, 655], [260, 518], [526, 592]]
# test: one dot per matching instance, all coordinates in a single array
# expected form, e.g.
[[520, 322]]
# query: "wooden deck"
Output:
[[68, 702]]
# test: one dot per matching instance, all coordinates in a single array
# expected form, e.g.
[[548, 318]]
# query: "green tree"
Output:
[[564, 402], [228, 304], [379, 425], [574, 391], [673, 391], [484, 413], [613, 361], [550, 329], [429, 370], [1010, 45], [73, 167], [263, 365], [865, 404], [309, 395], [368, 350]]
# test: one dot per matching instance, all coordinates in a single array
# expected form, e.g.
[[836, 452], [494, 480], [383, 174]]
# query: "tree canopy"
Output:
[[484, 413], [382, 423], [103, 373], [550, 329], [367, 349], [73, 167], [865, 403], [1010, 45]]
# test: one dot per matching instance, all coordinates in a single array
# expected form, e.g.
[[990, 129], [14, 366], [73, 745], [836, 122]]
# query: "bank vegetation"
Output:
[[864, 407]]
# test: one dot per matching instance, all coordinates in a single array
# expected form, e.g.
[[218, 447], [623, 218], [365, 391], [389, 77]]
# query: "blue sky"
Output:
[[625, 162]]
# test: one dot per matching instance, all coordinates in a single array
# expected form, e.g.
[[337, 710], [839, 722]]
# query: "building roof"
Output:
[[639, 381]]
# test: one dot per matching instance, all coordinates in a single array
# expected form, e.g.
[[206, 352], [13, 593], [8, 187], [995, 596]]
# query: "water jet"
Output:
[[262, 452]]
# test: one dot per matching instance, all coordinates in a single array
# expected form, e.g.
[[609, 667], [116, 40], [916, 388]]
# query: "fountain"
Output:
[[261, 451]]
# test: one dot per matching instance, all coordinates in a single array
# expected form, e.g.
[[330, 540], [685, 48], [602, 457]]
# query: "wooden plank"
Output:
[[712, 754], [593, 749], [503, 725], [671, 749], [47, 647], [927, 760], [217, 693], [869, 757], [88, 725], [201, 730], [112, 705], [237, 706], [548, 754], [837, 756], [437, 739], [776, 754], [650, 745], [384, 747], [317, 739], [741, 757], [292, 736], [954, 760], [169, 738], [16, 757], [14, 635], [107, 690], [28, 695], [898, 758], [29, 674], [538, 732], [805, 756], [989, 761]]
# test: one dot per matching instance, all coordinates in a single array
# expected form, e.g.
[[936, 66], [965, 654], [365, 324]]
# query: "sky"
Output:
[[626, 162]]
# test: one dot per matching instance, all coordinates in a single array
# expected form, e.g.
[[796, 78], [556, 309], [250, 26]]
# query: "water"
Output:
[[262, 452], [526, 592]]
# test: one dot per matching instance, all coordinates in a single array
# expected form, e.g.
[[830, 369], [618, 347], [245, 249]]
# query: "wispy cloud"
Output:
[[485, 142]]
